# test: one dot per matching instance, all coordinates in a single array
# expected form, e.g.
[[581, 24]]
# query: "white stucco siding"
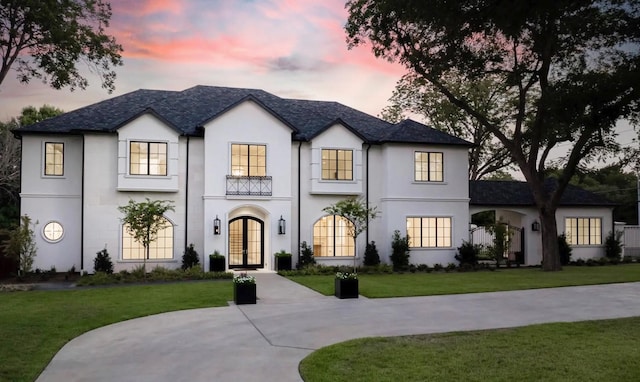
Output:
[[53, 199], [336, 137], [195, 229], [247, 123], [33, 179], [396, 212], [102, 219], [147, 128], [586, 251], [398, 163]]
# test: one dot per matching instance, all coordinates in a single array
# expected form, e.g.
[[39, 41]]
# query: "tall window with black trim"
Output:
[[337, 164], [148, 158], [54, 159], [428, 166], [248, 160]]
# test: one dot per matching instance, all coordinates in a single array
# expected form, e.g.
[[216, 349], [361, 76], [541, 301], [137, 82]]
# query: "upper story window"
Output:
[[428, 167], [583, 231], [429, 232], [337, 164], [148, 158], [248, 160], [54, 158]]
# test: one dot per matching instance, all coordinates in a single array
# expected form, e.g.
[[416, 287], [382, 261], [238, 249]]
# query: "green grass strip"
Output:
[[427, 284], [581, 352], [35, 325]]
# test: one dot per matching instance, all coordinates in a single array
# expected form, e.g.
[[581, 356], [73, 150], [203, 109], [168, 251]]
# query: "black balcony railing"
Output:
[[249, 185]]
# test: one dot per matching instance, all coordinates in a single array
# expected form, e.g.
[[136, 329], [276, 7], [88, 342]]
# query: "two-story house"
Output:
[[248, 173]]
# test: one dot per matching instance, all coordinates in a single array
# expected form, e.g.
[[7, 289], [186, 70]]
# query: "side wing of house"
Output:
[[51, 195], [423, 192]]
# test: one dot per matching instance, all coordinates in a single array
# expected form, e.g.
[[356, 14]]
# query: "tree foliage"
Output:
[[414, 95], [572, 67], [143, 220], [357, 212], [612, 182], [21, 245], [47, 39]]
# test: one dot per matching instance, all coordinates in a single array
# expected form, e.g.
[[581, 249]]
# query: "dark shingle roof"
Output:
[[187, 110], [513, 193]]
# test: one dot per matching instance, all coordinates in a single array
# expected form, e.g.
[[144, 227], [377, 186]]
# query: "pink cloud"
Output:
[[147, 7]]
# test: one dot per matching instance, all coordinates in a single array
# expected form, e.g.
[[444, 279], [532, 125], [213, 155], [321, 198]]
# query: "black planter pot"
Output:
[[244, 293], [283, 263], [346, 288], [216, 264]]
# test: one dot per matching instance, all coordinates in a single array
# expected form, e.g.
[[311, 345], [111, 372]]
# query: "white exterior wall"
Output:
[[247, 123], [102, 219], [586, 251], [402, 197], [53, 198], [525, 216], [147, 128]]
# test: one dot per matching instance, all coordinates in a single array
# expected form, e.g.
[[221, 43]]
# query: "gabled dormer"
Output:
[[147, 155], [336, 160]]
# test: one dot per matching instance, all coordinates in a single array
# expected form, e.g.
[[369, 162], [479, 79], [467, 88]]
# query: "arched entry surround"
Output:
[[247, 237]]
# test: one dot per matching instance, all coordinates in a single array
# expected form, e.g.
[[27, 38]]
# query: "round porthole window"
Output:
[[53, 232]]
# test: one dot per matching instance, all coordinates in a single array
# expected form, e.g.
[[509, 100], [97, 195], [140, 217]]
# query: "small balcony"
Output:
[[249, 185]]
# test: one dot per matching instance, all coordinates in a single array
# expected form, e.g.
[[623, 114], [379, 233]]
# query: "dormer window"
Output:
[[148, 158], [337, 164]]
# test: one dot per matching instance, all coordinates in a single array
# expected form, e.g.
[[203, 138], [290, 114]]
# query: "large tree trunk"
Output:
[[550, 252]]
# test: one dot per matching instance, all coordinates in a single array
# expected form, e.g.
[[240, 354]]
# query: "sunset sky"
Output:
[[292, 48]]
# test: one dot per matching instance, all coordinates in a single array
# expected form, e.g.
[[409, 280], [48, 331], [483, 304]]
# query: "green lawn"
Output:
[[425, 284], [583, 351], [35, 325]]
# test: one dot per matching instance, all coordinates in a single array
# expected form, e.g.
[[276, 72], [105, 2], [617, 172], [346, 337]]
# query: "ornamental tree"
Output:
[[571, 66], [143, 220], [46, 39], [357, 212]]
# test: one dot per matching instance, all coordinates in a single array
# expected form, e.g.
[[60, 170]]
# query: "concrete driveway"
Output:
[[266, 341]]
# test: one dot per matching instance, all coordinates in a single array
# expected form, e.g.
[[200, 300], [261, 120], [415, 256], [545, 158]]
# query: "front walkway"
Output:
[[266, 341]]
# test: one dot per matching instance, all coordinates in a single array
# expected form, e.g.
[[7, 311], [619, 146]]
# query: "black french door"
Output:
[[246, 242]]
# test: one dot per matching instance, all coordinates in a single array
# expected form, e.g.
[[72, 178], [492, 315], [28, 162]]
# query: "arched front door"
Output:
[[246, 242]]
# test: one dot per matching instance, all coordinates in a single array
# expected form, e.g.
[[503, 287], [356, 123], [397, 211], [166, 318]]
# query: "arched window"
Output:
[[159, 249], [331, 237]]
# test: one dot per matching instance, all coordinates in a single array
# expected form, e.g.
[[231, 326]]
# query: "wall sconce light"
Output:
[[535, 226], [216, 226], [282, 226]]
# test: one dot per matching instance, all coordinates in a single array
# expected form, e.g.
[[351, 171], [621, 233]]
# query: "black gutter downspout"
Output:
[[186, 202], [82, 211], [299, 197], [367, 192]]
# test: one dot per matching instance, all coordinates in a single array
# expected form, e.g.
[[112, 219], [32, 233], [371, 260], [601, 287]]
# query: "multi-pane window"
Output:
[[248, 160], [429, 232], [583, 231], [148, 158], [53, 232], [54, 158], [331, 237], [428, 167], [337, 164], [160, 248]]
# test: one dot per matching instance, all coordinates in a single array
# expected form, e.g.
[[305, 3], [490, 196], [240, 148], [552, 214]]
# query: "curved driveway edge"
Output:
[[266, 341]]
